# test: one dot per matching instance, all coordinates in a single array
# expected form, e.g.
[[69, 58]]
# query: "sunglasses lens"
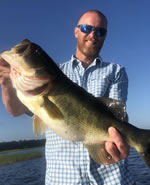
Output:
[[86, 28], [99, 32]]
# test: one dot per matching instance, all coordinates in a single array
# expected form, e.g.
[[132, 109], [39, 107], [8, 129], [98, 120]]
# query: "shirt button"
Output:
[[81, 148], [83, 174]]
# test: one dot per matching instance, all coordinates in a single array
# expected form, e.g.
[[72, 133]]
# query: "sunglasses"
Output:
[[99, 32]]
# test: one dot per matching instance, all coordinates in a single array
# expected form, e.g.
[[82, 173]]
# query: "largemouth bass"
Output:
[[67, 109]]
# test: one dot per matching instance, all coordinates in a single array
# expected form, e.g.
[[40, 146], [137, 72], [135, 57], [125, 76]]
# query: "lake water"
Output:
[[32, 172], [29, 172], [138, 169]]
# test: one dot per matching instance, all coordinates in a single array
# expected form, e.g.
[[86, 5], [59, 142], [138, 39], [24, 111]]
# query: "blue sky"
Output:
[[50, 23]]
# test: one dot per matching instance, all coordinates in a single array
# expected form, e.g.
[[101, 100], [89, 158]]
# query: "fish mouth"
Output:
[[37, 90], [28, 85], [17, 73]]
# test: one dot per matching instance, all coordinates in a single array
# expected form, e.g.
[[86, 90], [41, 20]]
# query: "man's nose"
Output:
[[92, 34]]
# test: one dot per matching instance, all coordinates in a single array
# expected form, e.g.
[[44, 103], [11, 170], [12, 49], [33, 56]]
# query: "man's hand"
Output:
[[118, 148], [4, 72]]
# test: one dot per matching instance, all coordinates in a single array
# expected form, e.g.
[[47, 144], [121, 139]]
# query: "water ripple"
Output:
[[31, 172]]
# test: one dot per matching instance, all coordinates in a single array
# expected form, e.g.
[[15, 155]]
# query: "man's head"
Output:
[[90, 33]]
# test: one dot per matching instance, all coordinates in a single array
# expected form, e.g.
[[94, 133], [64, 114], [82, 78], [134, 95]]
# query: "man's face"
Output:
[[89, 45]]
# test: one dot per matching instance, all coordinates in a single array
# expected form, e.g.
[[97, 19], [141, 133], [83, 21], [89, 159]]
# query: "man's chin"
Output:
[[91, 53]]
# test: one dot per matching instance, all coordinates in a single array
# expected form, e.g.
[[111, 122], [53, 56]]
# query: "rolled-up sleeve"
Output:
[[119, 85]]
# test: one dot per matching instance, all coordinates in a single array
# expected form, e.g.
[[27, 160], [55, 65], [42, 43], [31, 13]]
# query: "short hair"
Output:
[[96, 11]]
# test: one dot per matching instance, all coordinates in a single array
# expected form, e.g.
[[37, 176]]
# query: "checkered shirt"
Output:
[[69, 163]]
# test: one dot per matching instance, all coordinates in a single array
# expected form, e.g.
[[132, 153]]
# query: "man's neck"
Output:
[[86, 61]]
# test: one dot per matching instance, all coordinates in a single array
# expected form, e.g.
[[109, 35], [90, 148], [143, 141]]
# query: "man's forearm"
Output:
[[11, 101]]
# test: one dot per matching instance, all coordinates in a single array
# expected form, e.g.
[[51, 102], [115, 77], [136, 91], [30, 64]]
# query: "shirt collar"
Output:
[[76, 62]]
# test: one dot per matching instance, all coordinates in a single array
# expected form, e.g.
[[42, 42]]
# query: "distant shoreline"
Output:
[[13, 158], [22, 144]]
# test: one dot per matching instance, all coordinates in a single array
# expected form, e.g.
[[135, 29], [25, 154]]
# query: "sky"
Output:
[[50, 23]]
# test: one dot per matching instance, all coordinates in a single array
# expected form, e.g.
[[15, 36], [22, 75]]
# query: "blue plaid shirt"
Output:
[[69, 163]]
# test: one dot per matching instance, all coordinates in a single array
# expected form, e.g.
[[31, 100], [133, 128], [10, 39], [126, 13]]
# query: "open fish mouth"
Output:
[[30, 85], [37, 90]]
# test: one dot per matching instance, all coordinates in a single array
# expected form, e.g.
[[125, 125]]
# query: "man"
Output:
[[69, 163]]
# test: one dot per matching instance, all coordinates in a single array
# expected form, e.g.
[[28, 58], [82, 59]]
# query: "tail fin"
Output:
[[144, 147]]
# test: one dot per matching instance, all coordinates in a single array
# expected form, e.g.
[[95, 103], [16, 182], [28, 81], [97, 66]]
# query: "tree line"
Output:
[[22, 144]]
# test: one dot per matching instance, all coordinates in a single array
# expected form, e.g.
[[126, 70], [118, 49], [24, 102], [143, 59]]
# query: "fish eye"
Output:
[[37, 51]]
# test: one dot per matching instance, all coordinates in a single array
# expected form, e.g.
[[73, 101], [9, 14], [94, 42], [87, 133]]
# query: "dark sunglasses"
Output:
[[99, 32]]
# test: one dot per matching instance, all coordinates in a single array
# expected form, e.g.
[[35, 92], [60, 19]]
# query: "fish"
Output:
[[66, 108]]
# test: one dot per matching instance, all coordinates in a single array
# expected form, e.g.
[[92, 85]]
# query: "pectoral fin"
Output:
[[52, 109], [38, 125], [98, 153]]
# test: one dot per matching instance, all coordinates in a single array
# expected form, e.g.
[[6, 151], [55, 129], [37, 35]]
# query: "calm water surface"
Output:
[[138, 169], [32, 172]]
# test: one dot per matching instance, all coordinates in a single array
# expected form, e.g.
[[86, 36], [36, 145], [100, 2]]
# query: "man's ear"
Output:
[[76, 32]]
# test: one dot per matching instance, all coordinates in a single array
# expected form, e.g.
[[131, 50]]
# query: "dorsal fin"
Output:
[[117, 107]]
